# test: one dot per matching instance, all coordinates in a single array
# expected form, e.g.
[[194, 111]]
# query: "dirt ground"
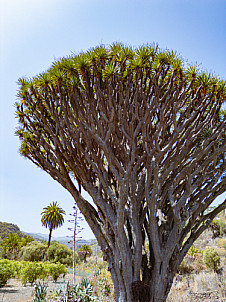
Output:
[[14, 291]]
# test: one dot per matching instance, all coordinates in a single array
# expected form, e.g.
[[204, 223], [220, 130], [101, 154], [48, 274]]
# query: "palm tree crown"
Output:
[[52, 217]]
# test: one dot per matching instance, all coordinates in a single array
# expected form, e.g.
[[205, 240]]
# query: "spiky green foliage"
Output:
[[12, 244], [116, 61], [52, 217]]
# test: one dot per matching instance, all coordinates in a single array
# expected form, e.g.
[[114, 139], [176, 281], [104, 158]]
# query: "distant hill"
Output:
[[6, 228], [63, 240]]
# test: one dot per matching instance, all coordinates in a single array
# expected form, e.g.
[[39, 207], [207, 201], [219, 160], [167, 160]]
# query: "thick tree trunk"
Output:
[[156, 290], [152, 284]]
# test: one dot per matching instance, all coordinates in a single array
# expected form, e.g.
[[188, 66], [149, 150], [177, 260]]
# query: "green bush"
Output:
[[211, 259], [12, 244], [30, 272], [218, 228], [59, 253], [193, 250], [33, 251], [57, 269], [17, 266], [43, 270], [1, 250], [222, 225], [7, 271]]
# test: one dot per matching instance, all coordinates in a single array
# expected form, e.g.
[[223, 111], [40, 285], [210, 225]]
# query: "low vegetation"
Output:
[[201, 276], [59, 253], [29, 272]]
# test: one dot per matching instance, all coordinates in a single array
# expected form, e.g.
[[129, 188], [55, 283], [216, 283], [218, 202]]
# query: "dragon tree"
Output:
[[143, 133]]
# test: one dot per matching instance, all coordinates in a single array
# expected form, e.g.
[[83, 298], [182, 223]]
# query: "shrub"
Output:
[[57, 269], [17, 266], [218, 227], [193, 250], [59, 253], [25, 240], [211, 259], [103, 284], [33, 251], [215, 228], [7, 271], [222, 225], [30, 272], [11, 246], [43, 270]]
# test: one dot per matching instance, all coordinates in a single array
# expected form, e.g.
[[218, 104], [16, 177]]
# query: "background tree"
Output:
[[52, 218], [11, 246], [26, 239], [84, 252], [144, 135], [34, 251], [59, 253]]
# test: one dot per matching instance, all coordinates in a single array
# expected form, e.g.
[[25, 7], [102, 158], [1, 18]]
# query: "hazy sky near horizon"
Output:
[[35, 33]]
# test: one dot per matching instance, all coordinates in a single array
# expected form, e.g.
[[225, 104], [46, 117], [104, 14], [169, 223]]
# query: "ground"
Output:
[[14, 291]]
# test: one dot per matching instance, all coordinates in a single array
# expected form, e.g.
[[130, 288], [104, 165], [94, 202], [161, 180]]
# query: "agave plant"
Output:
[[83, 292], [40, 291]]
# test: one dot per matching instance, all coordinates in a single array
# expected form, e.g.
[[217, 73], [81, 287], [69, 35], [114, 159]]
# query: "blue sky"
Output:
[[35, 33]]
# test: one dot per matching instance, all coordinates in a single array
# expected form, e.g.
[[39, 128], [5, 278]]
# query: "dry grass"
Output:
[[204, 282], [205, 286], [221, 242]]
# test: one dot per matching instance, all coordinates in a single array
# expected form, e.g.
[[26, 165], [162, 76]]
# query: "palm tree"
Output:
[[11, 244], [85, 251], [52, 218], [26, 239]]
